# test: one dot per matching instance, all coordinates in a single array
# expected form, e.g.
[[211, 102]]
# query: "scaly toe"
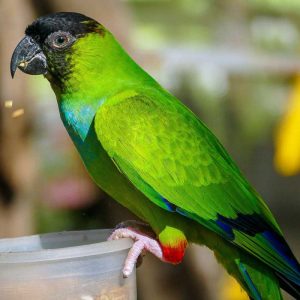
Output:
[[141, 243]]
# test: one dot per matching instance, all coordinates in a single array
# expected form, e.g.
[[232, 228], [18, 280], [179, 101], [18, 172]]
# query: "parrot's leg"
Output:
[[169, 246], [141, 243], [138, 226]]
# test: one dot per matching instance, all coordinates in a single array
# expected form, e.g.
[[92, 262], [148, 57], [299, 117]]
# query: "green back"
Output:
[[168, 154]]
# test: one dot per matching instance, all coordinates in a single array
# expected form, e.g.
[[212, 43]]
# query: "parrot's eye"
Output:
[[60, 40]]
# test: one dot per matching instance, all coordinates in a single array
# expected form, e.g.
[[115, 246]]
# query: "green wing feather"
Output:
[[169, 154]]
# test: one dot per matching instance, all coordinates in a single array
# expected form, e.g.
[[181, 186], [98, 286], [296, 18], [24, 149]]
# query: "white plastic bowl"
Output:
[[65, 266]]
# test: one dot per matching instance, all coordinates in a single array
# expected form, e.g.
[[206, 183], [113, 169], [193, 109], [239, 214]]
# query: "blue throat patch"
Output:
[[79, 118]]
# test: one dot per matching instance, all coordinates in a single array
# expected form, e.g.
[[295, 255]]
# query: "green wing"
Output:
[[169, 154]]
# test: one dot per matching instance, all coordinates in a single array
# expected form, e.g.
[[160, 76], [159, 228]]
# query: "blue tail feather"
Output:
[[254, 292]]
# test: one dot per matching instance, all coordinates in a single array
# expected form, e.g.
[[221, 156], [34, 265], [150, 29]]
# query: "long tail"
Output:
[[261, 283], [289, 286], [264, 283], [259, 280]]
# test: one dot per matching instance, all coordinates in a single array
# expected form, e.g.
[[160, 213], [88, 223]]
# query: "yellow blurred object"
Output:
[[231, 290], [17, 113], [8, 104], [287, 139]]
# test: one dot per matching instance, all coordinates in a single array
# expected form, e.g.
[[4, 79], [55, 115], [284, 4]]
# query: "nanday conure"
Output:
[[154, 156]]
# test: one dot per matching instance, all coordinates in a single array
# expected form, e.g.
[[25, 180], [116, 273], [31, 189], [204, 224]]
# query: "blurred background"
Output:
[[235, 63]]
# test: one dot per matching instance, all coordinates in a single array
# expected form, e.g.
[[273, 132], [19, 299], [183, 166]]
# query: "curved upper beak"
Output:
[[29, 58]]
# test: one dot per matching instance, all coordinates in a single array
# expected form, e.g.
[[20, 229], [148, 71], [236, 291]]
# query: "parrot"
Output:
[[152, 154]]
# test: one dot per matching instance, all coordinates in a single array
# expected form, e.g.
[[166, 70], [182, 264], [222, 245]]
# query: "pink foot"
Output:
[[141, 243]]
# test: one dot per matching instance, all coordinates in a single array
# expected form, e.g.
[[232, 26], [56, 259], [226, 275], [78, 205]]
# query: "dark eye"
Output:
[[60, 40]]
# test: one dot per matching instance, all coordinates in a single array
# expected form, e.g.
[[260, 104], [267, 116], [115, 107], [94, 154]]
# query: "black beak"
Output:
[[29, 58]]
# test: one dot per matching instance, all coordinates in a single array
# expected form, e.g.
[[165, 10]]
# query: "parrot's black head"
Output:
[[47, 42]]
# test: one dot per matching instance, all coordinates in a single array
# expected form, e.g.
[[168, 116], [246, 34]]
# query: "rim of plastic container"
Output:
[[65, 253]]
